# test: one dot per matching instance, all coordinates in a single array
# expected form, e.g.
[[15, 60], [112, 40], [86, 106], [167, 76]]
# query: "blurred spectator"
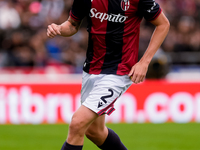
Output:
[[9, 17], [51, 8], [23, 40]]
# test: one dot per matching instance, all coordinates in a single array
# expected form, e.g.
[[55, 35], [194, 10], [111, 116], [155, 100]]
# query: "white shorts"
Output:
[[99, 92]]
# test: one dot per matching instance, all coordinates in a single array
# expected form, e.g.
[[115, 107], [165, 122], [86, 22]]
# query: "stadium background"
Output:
[[40, 80]]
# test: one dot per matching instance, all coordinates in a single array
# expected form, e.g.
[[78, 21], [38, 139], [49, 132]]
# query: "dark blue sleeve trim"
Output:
[[149, 9]]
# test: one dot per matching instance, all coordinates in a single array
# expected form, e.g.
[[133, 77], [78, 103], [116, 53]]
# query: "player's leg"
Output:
[[112, 142], [103, 137], [97, 132], [81, 120]]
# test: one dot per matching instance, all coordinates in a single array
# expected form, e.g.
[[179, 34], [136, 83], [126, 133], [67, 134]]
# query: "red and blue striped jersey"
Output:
[[113, 27]]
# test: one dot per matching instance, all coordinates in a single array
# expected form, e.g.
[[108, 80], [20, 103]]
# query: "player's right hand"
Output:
[[138, 72], [53, 30]]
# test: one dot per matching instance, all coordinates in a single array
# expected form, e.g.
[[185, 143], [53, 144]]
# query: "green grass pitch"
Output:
[[168, 136]]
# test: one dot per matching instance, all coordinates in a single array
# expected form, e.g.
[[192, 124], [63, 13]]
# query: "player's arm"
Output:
[[68, 28], [139, 70], [162, 27]]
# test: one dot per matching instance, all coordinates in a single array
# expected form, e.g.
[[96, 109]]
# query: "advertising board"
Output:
[[151, 101]]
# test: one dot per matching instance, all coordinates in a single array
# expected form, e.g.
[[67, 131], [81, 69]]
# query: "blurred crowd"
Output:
[[23, 40]]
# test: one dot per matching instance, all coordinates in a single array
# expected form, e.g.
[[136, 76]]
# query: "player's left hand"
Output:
[[138, 72], [53, 30]]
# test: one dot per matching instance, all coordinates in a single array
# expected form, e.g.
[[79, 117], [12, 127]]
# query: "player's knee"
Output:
[[92, 133], [89, 134], [76, 125]]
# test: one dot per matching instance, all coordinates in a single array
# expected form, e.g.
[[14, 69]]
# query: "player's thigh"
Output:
[[82, 118], [97, 127], [98, 124]]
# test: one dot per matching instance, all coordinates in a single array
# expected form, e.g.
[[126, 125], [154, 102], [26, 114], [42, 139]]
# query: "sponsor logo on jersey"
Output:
[[125, 4], [109, 17]]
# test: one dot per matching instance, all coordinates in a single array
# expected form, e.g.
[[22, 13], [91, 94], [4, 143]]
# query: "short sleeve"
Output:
[[78, 11], [149, 9]]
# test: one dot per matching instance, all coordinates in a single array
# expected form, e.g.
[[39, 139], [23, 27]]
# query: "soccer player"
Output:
[[111, 64]]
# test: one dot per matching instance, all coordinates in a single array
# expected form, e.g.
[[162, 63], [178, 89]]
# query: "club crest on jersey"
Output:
[[125, 4]]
